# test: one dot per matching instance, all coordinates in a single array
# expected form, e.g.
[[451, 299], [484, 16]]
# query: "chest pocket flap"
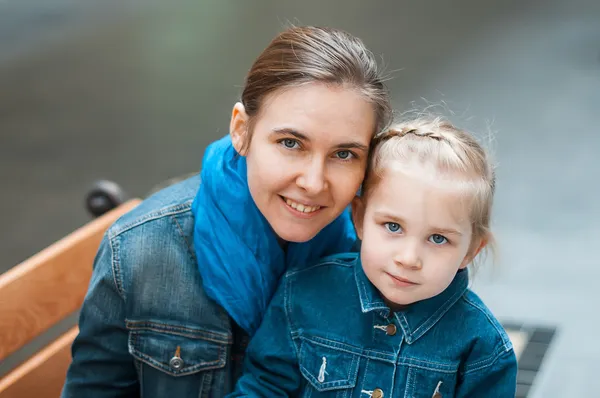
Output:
[[327, 368], [175, 353]]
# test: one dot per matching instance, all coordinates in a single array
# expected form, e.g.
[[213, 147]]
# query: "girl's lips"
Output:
[[402, 281]]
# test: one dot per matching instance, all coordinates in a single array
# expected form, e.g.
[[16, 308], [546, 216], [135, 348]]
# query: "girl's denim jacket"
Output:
[[328, 333]]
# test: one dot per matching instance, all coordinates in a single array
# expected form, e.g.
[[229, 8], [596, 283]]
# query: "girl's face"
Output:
[[416, 234], [307, 156]]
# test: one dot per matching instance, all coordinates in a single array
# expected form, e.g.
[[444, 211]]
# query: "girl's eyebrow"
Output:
[[303, 137]]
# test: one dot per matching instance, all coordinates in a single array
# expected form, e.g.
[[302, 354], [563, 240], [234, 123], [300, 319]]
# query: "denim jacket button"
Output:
[[390, 329], [377, 393], [176, 363]]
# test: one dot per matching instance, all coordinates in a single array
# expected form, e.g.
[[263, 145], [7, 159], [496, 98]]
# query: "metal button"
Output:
[[377, 393], [390, 329], [437, 395], [176, 363]]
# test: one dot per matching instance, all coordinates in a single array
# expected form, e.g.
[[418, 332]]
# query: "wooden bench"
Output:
[[41, 292]]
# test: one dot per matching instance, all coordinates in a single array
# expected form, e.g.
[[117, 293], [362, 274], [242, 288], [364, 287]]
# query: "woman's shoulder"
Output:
[[174, 200], [152, 256], [157, 234]]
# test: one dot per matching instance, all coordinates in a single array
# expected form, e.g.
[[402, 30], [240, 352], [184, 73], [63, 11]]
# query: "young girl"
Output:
[[181, 282], [398, 320]]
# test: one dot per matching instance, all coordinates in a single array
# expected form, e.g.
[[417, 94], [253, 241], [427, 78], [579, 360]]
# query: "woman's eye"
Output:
[[290, 143], [392, 226], [438, 239], [344, 155]]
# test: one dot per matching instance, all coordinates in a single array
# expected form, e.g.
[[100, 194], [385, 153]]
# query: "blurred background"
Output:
[[133, 91]]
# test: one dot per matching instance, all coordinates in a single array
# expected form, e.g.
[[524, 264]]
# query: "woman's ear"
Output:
[[475, 249], [238, 128], [358, 215]]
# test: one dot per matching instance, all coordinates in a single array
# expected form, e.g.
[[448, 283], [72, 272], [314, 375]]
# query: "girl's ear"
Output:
[[238, 128], [475, 249]]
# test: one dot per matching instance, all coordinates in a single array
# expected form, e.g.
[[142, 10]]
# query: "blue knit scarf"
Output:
[[239, 257]]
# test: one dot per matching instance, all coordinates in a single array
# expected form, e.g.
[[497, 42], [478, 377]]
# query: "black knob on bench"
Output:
[[103, 197]]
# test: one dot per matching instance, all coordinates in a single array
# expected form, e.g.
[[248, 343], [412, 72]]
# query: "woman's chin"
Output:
[[296, 235]]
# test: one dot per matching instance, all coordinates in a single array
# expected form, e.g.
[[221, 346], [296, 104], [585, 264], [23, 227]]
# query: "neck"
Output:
[[282, 243]]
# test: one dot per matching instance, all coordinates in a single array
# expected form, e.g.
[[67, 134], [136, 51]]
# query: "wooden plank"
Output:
[[50, 285], [43, 375]]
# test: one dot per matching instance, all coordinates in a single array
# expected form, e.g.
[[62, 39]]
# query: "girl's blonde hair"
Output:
[[452, 154]]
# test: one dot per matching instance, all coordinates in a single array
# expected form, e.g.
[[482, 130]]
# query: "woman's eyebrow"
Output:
[[353, 145], [288, 131], [303, 137]]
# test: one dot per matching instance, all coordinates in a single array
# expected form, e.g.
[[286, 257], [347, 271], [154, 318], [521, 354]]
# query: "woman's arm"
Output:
[[102, 365]]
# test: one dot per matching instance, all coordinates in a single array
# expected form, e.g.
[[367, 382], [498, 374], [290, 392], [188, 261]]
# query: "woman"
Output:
[[181, 282]]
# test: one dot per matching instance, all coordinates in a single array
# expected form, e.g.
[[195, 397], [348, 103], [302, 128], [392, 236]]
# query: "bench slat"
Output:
[[50, 285], [42, 375]]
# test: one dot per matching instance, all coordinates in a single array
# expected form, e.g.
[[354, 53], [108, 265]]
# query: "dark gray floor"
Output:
[[133, 91]]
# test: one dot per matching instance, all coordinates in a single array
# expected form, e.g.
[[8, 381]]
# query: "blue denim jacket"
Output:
[[147, 327], [328, 333]]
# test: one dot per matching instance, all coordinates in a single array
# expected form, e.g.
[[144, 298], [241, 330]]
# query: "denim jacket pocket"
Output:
[[175, 350], [327, 368], [176, 360], [431, 380]]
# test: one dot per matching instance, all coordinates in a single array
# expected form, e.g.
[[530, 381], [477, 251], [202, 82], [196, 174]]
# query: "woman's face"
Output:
[[307, 156]]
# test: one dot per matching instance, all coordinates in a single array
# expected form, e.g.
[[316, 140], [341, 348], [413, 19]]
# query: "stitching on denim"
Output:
[[174, 218], [491, 360], [194, 333], [287, 310], [497, 351], [366, 307], [216, 364], [410, 383], [433, 319], [183, 236], [501, 333], [141, 379], [404, 326], [453, 367], [116, 267], [205, 384], [116, 230], [349, 381], [337, 346], [431, 369], [329, 262], [364, 379], [394, 371]]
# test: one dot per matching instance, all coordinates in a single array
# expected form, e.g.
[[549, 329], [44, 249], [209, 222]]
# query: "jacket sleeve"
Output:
[[495, 377], [271, 365], [102, 365]]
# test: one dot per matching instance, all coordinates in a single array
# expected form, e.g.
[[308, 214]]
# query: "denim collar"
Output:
[[419, 317]]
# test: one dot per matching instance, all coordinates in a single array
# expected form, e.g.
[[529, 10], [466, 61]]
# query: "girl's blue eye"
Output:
[[344, 155], [437, 239], [289, 143], [392, 226]]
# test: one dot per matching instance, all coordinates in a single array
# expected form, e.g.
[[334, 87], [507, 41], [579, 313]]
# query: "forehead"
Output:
[[327, 112], [421, 200]]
